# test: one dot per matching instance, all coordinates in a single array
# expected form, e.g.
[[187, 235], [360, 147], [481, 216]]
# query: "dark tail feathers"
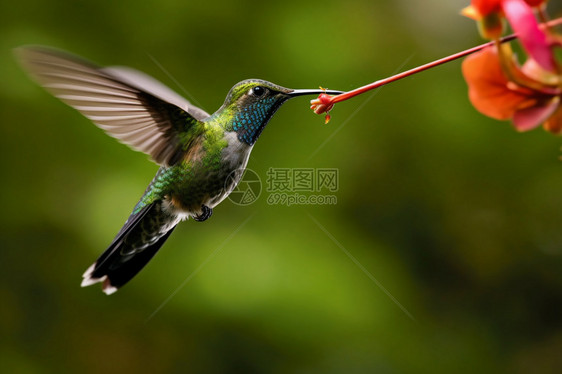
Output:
[[138, 241]]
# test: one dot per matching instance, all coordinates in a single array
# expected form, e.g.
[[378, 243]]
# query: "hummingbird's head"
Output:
[[253, 102]]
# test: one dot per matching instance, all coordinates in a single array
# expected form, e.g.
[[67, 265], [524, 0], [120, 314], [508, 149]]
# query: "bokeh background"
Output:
[[455, 215]]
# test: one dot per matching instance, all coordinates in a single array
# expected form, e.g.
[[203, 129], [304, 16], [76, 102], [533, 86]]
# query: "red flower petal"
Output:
[[535, 3], [485, 7], [322, 104]]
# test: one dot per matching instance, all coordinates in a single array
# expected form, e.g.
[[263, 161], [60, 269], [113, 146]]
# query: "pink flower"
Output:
[[534, 40], [498, 87]]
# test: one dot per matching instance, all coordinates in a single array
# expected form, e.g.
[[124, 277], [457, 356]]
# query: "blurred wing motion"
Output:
[[127, 104]]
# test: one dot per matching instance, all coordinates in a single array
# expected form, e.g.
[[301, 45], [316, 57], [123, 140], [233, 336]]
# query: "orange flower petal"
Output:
[[471, 12], [488, 88]]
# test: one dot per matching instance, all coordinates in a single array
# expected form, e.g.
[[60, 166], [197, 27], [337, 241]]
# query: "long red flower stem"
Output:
[[382, 82]]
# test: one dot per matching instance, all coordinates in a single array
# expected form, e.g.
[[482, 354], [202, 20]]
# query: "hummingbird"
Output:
[[201, 156]]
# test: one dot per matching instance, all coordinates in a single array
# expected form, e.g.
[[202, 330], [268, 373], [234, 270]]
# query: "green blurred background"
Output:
[[457, 216]]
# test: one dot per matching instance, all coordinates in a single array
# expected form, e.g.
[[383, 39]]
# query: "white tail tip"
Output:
[[88, 280]]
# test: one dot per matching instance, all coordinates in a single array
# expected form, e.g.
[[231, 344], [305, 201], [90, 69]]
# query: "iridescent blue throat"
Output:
[[250, 121]]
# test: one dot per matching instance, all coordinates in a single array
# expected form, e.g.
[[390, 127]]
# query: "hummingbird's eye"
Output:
[[258, 91]]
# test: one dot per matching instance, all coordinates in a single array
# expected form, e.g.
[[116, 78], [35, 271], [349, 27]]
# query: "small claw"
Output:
[[206, 213]]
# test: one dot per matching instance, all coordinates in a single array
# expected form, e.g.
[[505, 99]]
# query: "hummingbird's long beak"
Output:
[[295, 93]]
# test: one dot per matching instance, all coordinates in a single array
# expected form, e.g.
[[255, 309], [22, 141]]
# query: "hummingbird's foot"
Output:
[[207, 212]]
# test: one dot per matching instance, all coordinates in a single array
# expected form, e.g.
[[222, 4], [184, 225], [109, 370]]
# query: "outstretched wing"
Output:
[[127, 104]]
